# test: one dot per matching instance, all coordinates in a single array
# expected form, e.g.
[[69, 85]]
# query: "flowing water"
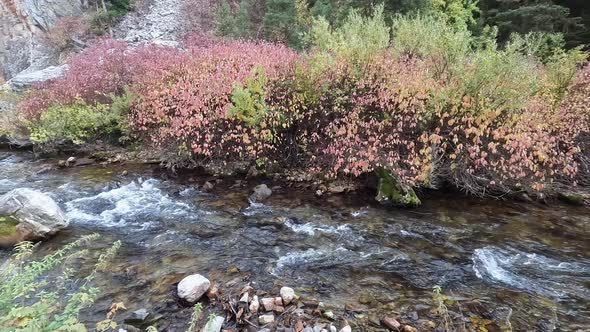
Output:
[[530, 260]]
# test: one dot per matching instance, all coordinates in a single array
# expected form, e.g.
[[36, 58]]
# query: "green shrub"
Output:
[[248, 101], [77, 123], [541, 44], [561, 68], [428, 36], [501, 79], [358, 38], [32, 301]]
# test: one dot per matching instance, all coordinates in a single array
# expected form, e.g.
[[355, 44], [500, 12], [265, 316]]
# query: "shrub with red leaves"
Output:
[[188, 108], [217, 100]]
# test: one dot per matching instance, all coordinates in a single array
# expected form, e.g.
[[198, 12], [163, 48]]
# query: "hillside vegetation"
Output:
[[419, 98]]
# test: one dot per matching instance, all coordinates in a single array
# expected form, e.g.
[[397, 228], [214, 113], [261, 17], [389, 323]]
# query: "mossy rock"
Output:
[[7, 226], [572, 198], [392, 190]]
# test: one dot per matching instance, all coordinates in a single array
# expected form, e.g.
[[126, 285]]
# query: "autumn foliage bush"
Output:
[[484, 119]]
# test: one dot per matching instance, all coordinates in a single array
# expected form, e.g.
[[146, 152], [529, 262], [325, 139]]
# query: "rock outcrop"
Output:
[[158, 23], [33, 214], [27, 79], [23, 24]]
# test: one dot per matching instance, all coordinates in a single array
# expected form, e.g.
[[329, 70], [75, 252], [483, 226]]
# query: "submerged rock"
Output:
[[391, 323], [572, 198], [192, 288], [138, 317], [266, 319], [35, 215], [261, 193], [392, 190]]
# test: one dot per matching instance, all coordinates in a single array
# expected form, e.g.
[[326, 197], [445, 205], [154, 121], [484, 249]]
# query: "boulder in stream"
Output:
[[192, 288], [261, 193], [28, 214]]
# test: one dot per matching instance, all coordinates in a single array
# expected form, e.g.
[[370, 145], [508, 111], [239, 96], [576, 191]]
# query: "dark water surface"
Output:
[[532, 259]]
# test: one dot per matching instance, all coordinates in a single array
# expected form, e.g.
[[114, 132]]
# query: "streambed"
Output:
[[528, 259]]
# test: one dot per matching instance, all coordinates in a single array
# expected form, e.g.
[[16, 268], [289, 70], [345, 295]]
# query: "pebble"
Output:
[[245, 298], [254, 305], [266, 319], [391, 323], [268, 303], [346, 329], [208, 186]]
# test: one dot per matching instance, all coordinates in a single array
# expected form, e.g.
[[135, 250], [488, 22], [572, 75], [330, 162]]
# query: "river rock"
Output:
[[138, 317], [191, 288], [408, 328], [261, 193], [268, 303], [245, 298], [208, 186], [391, 323], [346, 328], [70, 161], [13, 143], [287, 294], [37, 214], [254, 305], [501, 317], [266, 319], [214, 324]]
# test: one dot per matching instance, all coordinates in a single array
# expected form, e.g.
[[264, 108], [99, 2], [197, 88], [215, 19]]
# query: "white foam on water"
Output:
[[359, 213], [335, 256], [256, 209], [309, 257], [139, 203], [530, 272], [311, 228], [6, 184]]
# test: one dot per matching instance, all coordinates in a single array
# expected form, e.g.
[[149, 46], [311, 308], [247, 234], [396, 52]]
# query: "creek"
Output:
[[527, 258]]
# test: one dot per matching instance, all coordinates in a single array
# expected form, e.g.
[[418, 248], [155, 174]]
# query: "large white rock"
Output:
[[287, 294], [36, 212], [191, 288]]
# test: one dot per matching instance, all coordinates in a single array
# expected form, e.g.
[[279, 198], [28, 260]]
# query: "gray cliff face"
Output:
[[22, 26]]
